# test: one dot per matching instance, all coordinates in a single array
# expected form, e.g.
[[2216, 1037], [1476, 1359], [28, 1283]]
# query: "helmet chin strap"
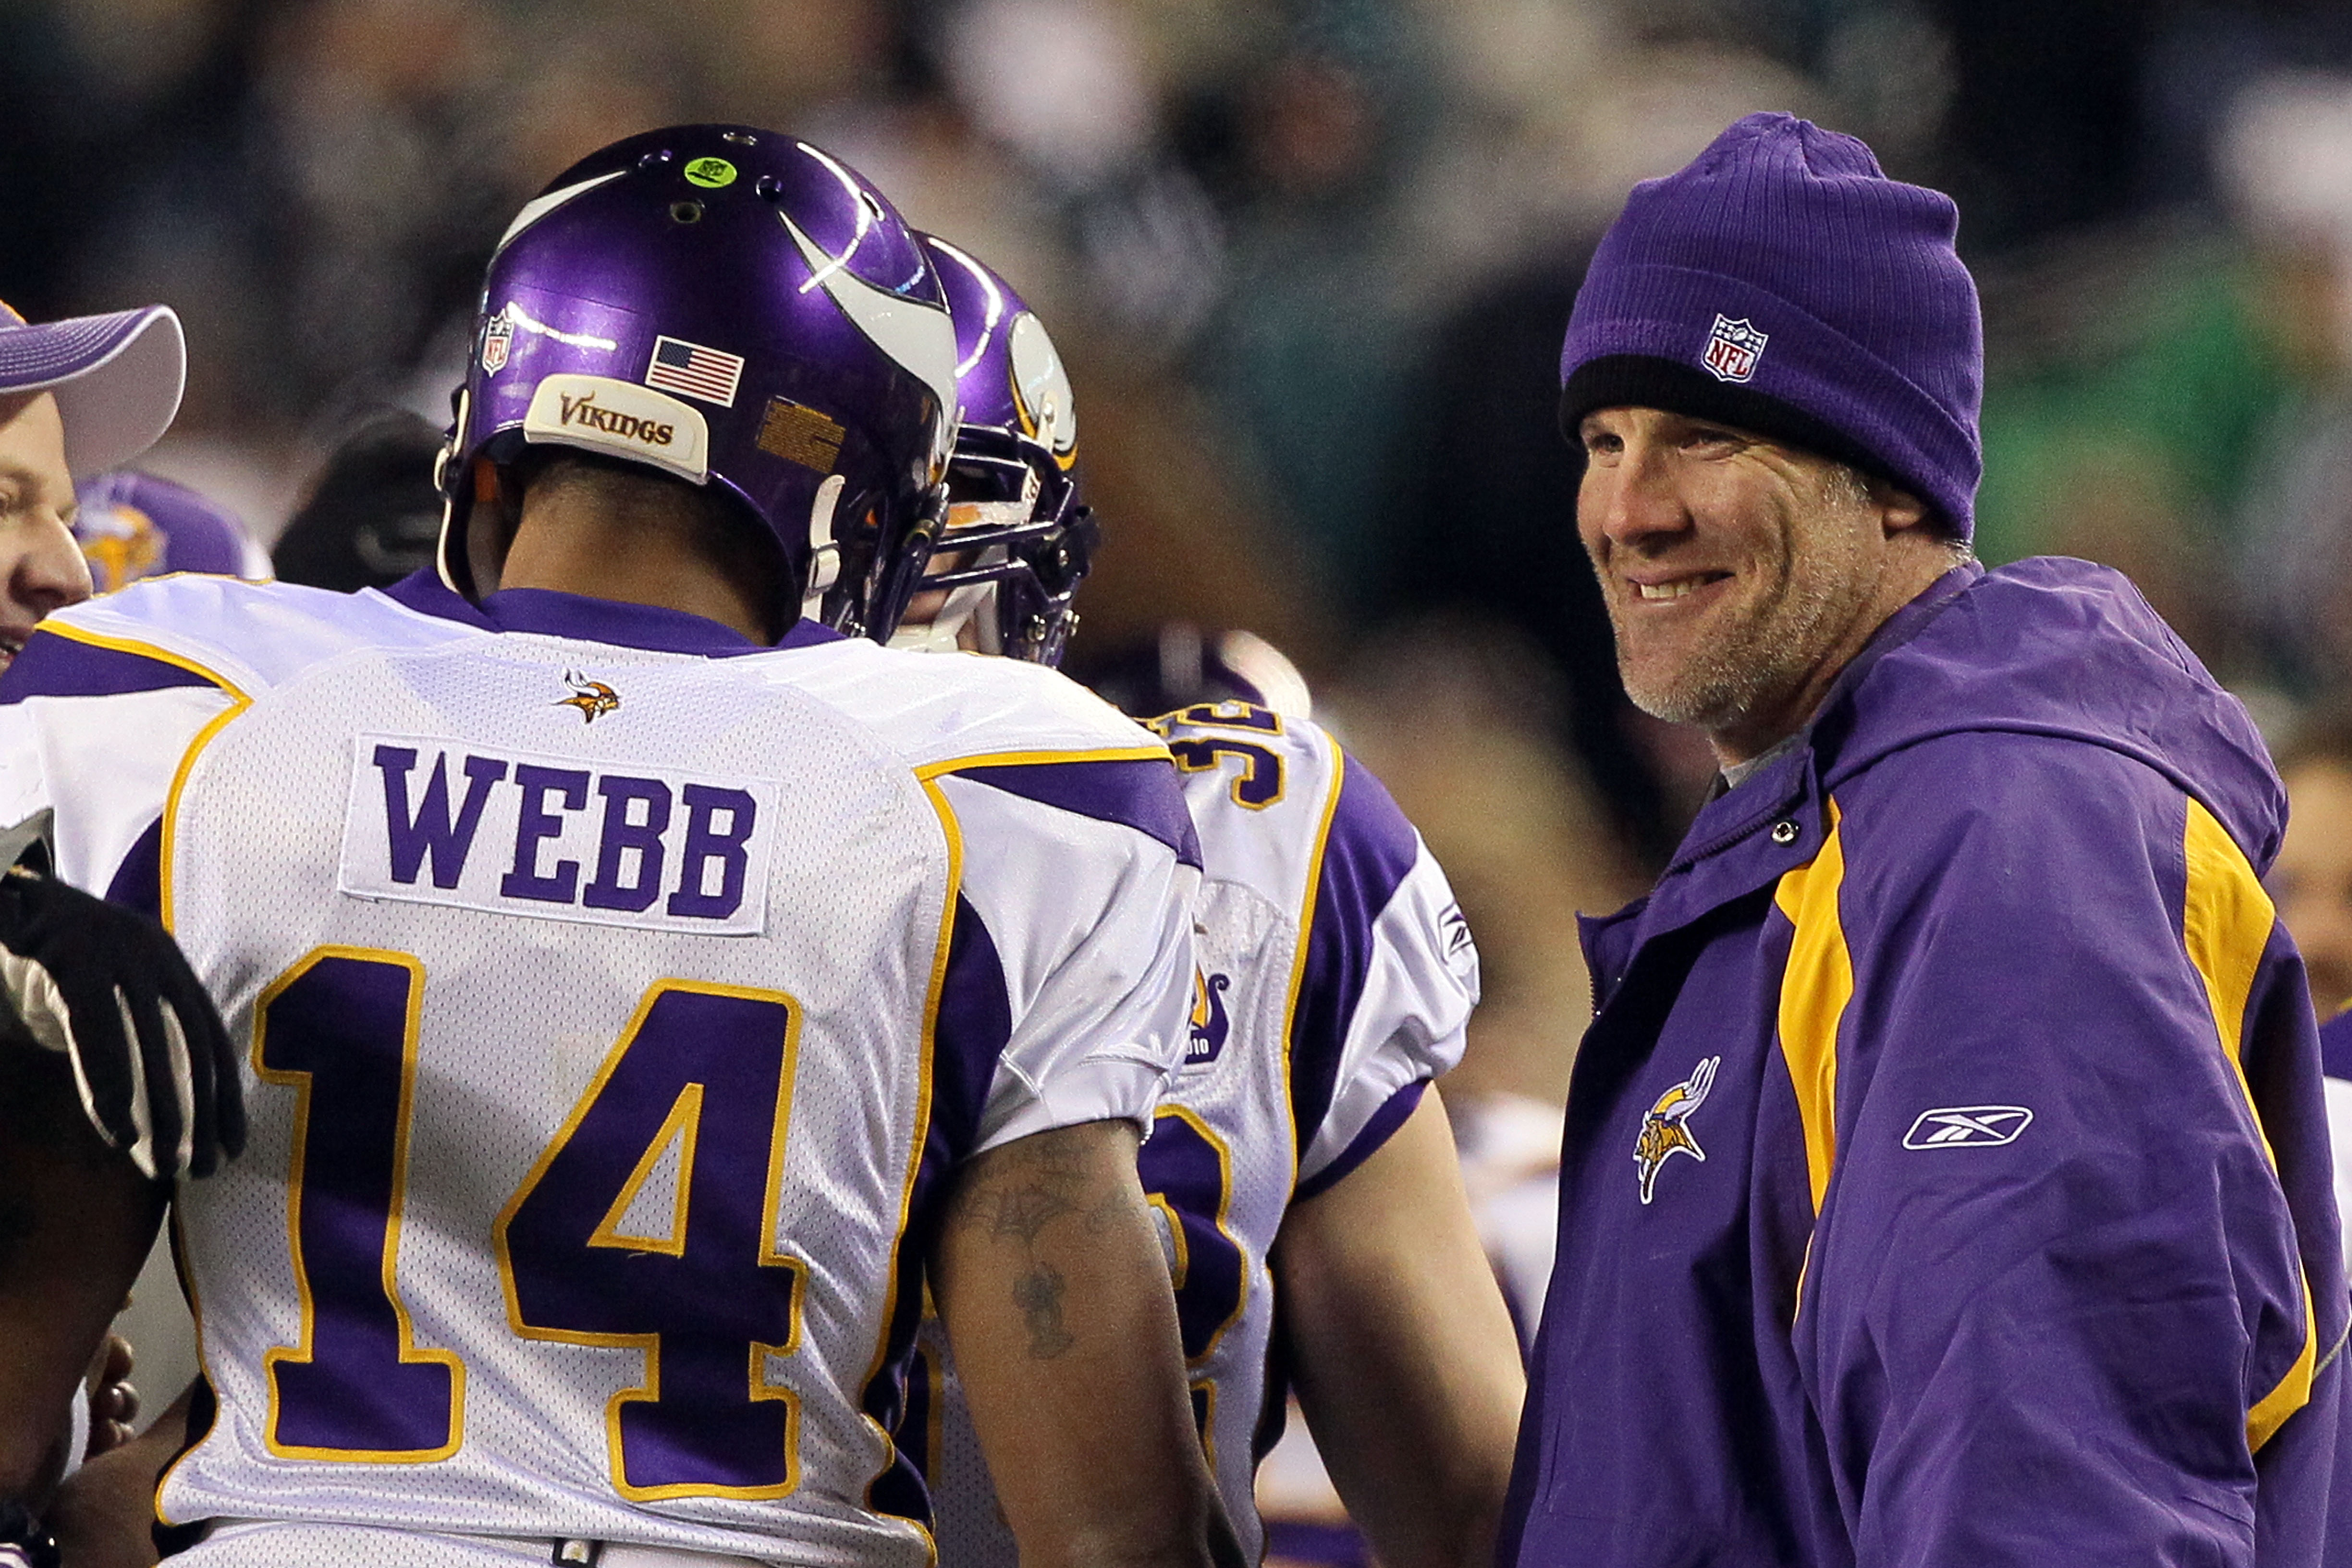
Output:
[[824, 555], [944, 632]]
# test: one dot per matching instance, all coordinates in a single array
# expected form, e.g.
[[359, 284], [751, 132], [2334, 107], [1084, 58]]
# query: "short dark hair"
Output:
[[564, 466]]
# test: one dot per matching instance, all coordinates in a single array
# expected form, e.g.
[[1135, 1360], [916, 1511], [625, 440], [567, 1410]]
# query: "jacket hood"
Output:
[[2061, 648]]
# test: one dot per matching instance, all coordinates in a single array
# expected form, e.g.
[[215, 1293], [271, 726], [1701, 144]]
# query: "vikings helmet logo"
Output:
[[1666, 1129], [590, 697], [1209, 1023], [122, 545]]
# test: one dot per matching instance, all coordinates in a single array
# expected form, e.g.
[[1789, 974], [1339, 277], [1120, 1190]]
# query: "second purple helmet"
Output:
[[742, 311], [131, 525], [1017, 542]]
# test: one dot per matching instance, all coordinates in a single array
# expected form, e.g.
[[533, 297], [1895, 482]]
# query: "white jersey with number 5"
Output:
[[617, 995], [1337, 977]]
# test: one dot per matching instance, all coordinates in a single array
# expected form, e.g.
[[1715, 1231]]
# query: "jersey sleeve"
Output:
[[2074, 1289], [1389, 979], [95, 731], [1081, 877]]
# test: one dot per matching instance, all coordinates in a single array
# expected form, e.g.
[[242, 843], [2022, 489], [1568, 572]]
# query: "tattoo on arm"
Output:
[[1035, 1188], [1030, 1186], [1038, 1294]]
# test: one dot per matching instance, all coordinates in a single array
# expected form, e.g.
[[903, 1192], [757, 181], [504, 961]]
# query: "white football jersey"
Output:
[[616, 997], [1336, 978]]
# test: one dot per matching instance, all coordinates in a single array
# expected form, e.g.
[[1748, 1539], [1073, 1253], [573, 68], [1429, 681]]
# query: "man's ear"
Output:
[[490, 524], [1900, 510]]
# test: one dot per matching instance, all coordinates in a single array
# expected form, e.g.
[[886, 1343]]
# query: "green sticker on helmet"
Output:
[[711, 173]]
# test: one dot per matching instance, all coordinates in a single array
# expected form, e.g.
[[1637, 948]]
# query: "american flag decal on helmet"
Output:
[[696, 371]]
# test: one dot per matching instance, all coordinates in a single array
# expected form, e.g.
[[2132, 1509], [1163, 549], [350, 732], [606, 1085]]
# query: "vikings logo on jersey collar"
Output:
[[592, 698], [1666, 1129]]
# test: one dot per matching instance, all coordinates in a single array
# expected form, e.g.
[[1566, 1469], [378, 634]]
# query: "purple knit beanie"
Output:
[[1783, 284]]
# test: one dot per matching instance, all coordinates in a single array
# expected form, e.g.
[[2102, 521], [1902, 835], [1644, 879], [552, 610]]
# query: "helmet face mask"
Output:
[[739, 310], [1017, 540]]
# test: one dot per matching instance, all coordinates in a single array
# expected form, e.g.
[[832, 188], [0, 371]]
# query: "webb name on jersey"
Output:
[[618, 995], [1336, 978]]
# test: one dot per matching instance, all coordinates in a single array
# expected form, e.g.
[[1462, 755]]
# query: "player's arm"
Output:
[[105, 1513], [1402, 1350], [75, 1221], [1054, 1291]]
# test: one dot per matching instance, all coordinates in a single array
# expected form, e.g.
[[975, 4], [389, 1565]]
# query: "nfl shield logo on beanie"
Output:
[[1732, 350]]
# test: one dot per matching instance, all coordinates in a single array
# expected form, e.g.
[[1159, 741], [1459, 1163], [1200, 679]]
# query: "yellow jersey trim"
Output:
[[929, 771], [2226, 921], [952, 836], [72, 633], [1815, 989], [682, 1127], [237, 703], [1305, 929]]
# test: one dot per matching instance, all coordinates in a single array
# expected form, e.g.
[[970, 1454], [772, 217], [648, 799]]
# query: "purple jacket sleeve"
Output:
[[2075, 1285]]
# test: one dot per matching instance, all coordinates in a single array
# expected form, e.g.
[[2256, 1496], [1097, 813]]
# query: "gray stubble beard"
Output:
[[1764, 658]]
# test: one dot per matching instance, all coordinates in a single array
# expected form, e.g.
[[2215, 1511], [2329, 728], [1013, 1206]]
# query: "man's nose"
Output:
[[1632, 502], [47, 571]]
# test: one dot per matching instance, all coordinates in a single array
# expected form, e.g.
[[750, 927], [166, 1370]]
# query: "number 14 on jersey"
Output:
[[699, 1084]]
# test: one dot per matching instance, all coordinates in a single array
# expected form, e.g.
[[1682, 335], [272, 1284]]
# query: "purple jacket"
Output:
[[1946, 1180]]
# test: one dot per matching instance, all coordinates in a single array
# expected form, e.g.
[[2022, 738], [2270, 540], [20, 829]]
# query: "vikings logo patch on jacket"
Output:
[[2011, 1242], [1666, 1128]]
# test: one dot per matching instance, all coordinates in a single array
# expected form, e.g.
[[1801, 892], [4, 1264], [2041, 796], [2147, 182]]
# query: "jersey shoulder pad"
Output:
[[188, 628], [1261, 788], [945, 712]]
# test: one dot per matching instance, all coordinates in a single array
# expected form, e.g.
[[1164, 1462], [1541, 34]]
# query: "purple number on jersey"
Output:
[[1258, 784], [1188, 1173], [698, 1091], [340, 1030]]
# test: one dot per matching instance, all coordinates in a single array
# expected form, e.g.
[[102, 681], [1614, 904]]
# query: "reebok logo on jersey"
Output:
[[441, 822], [1461, 952], [1967, 1127]]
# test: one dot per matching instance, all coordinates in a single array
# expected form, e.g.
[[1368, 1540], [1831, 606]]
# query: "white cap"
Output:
[[117, 378]]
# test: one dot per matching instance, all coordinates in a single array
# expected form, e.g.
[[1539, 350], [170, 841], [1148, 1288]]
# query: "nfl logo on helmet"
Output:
[[1732, 350], [498, 333]]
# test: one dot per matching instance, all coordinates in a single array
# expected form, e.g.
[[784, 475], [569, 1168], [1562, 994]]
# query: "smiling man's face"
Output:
[[41, 567], [1742, 575]]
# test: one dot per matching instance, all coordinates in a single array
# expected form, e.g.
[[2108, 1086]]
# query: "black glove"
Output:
[[107, 986]]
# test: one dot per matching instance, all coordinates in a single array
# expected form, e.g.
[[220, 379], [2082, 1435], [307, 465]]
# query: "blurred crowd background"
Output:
[[1309, 261]]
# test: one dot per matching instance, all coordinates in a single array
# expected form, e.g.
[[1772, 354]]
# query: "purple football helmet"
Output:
[[1018, 539], [739, 309], [132, 525]]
